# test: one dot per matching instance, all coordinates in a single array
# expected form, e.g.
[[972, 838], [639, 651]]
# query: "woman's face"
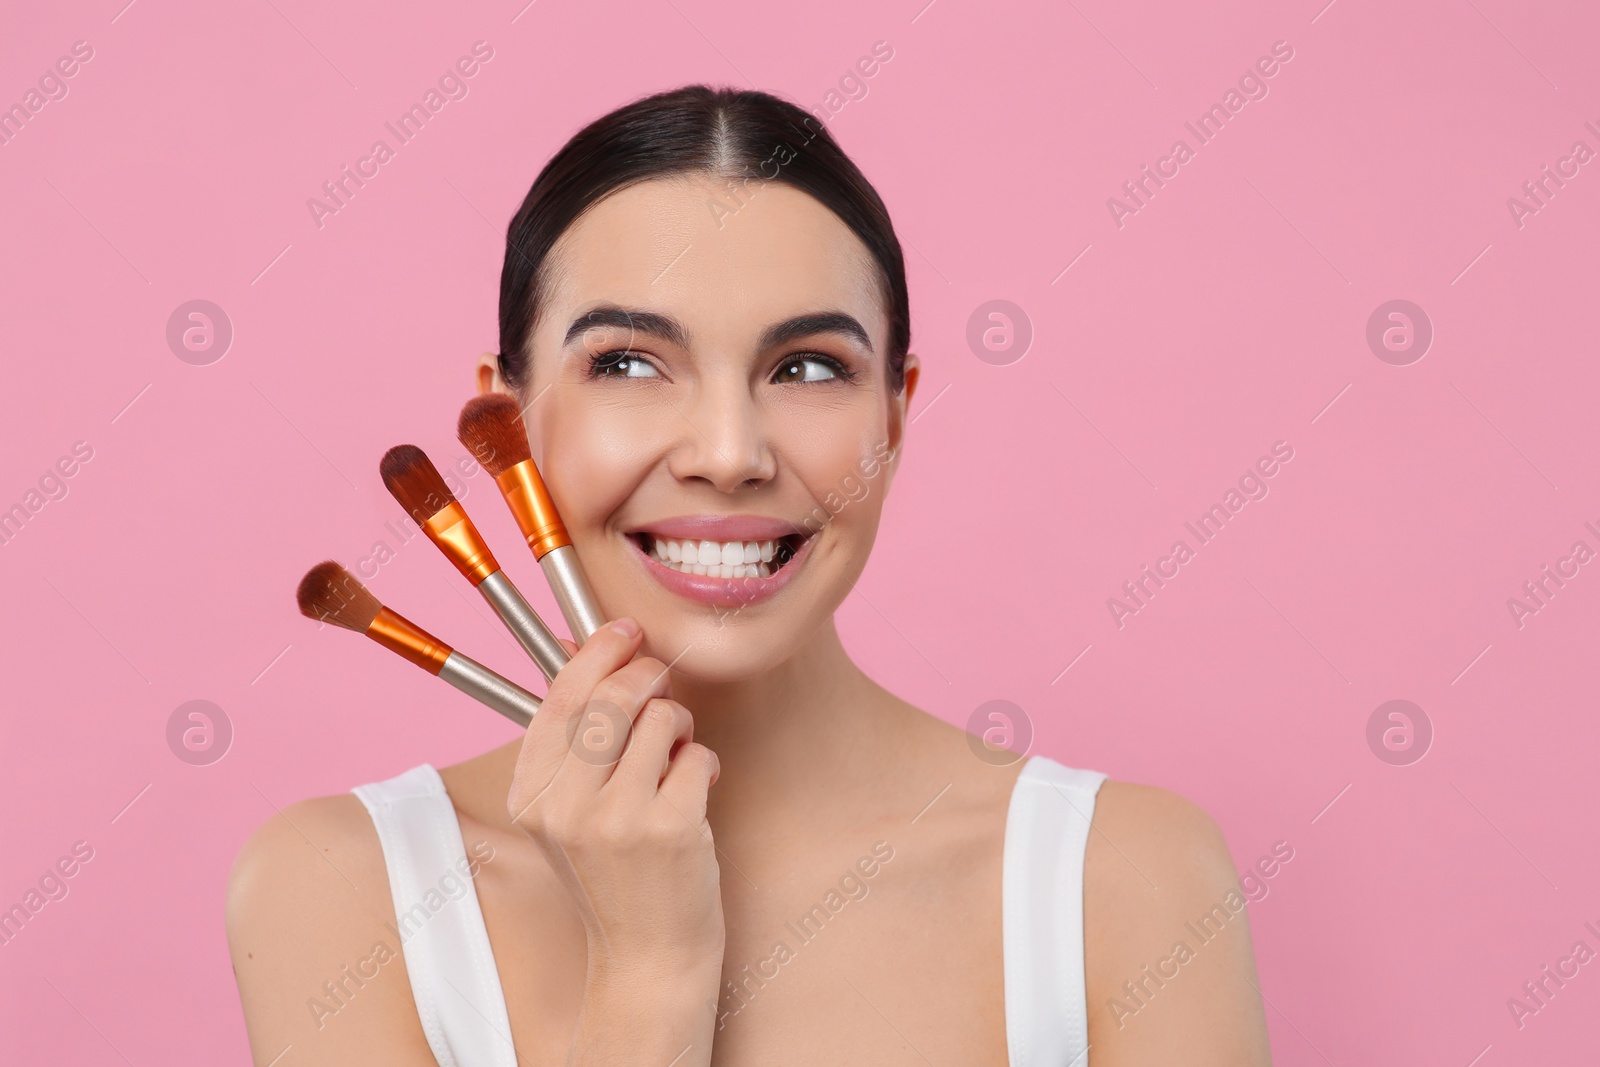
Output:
[[709, 405]]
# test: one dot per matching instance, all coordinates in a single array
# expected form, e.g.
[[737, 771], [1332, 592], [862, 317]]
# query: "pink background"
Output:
[[1227, 314]]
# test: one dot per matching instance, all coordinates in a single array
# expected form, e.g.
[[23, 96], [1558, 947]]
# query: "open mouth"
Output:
[[720, 559]]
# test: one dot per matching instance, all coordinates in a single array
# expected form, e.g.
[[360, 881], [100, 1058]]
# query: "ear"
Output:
[[899, 405], [488, 372]]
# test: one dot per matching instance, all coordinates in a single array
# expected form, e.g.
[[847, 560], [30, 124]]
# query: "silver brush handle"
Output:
[[572, 592], [482, 684], [524, 623]]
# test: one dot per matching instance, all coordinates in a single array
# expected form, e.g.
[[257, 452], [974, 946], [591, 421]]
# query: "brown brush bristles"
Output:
[[415, 482], [491, 428], [329, 593]]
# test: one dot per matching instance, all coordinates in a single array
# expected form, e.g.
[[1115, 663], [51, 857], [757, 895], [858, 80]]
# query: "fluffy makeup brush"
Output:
[[418, 486], [329, 593], [491, 428]]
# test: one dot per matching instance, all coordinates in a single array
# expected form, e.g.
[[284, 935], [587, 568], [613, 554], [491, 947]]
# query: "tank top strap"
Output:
[[1047, 830], [438, 921]]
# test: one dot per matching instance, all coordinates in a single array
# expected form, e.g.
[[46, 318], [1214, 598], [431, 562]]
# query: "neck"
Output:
[[773, 731]]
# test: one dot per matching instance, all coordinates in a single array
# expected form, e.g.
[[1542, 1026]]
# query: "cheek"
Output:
[[843, 472], [593, 456]]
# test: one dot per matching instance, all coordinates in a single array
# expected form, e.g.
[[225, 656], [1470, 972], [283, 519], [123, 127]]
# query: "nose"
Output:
[[723, 440]]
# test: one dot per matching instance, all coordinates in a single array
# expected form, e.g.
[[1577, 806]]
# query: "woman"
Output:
[[720, 840]]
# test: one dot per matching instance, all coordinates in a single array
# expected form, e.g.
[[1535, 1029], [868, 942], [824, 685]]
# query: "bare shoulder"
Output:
[[1169, 965], [317, 966], [305, 839], [1180, 834]]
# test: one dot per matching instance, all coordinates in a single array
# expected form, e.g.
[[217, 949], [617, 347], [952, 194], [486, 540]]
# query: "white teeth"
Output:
[[716, 559]]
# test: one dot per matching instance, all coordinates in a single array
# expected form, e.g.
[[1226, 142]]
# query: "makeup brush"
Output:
[[418, 486], [491, 428], [329, 593]]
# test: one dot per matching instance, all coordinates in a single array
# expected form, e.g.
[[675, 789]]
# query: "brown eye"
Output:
[[620, 363], [811, 368]]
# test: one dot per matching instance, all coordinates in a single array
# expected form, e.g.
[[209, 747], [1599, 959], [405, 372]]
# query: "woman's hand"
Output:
[[612, 788]]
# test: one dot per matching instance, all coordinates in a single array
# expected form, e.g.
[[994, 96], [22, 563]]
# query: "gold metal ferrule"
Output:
[[533, 509], [399, 634], [457, 538]]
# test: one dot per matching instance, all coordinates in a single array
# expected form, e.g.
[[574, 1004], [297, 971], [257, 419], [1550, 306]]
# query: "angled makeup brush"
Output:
[[491, 428], [417, 485], [329, 593]]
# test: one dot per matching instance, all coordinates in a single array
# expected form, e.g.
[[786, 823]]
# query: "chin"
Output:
[[720, 653]]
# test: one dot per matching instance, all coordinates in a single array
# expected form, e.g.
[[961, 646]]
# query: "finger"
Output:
[[661, 725], [544, 746], [600, 731], [609, 648], [693, 770]]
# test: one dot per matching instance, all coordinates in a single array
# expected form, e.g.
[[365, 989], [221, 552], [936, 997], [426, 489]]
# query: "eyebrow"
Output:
[[672, 331]]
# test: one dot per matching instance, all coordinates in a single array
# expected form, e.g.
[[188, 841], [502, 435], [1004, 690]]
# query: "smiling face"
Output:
[[711, 410]]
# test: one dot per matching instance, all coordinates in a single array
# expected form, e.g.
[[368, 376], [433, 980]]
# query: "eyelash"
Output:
[[841, 372], [599, 362]]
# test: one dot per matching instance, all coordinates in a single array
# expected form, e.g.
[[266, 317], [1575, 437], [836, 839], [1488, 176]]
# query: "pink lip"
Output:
[[724, 592], [720, 528]]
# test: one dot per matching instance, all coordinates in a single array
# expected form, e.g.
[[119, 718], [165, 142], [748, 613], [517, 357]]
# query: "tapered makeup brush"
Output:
[[329, 593], [491, 427], [418, 486]]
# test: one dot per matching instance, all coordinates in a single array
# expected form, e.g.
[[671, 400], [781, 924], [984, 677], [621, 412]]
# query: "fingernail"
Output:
[[626, 627]]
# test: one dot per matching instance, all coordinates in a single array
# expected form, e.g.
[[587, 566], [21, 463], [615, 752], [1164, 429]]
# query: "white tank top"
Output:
[[457, 987]]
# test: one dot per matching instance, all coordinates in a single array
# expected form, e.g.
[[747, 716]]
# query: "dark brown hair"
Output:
[[734, 133]]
